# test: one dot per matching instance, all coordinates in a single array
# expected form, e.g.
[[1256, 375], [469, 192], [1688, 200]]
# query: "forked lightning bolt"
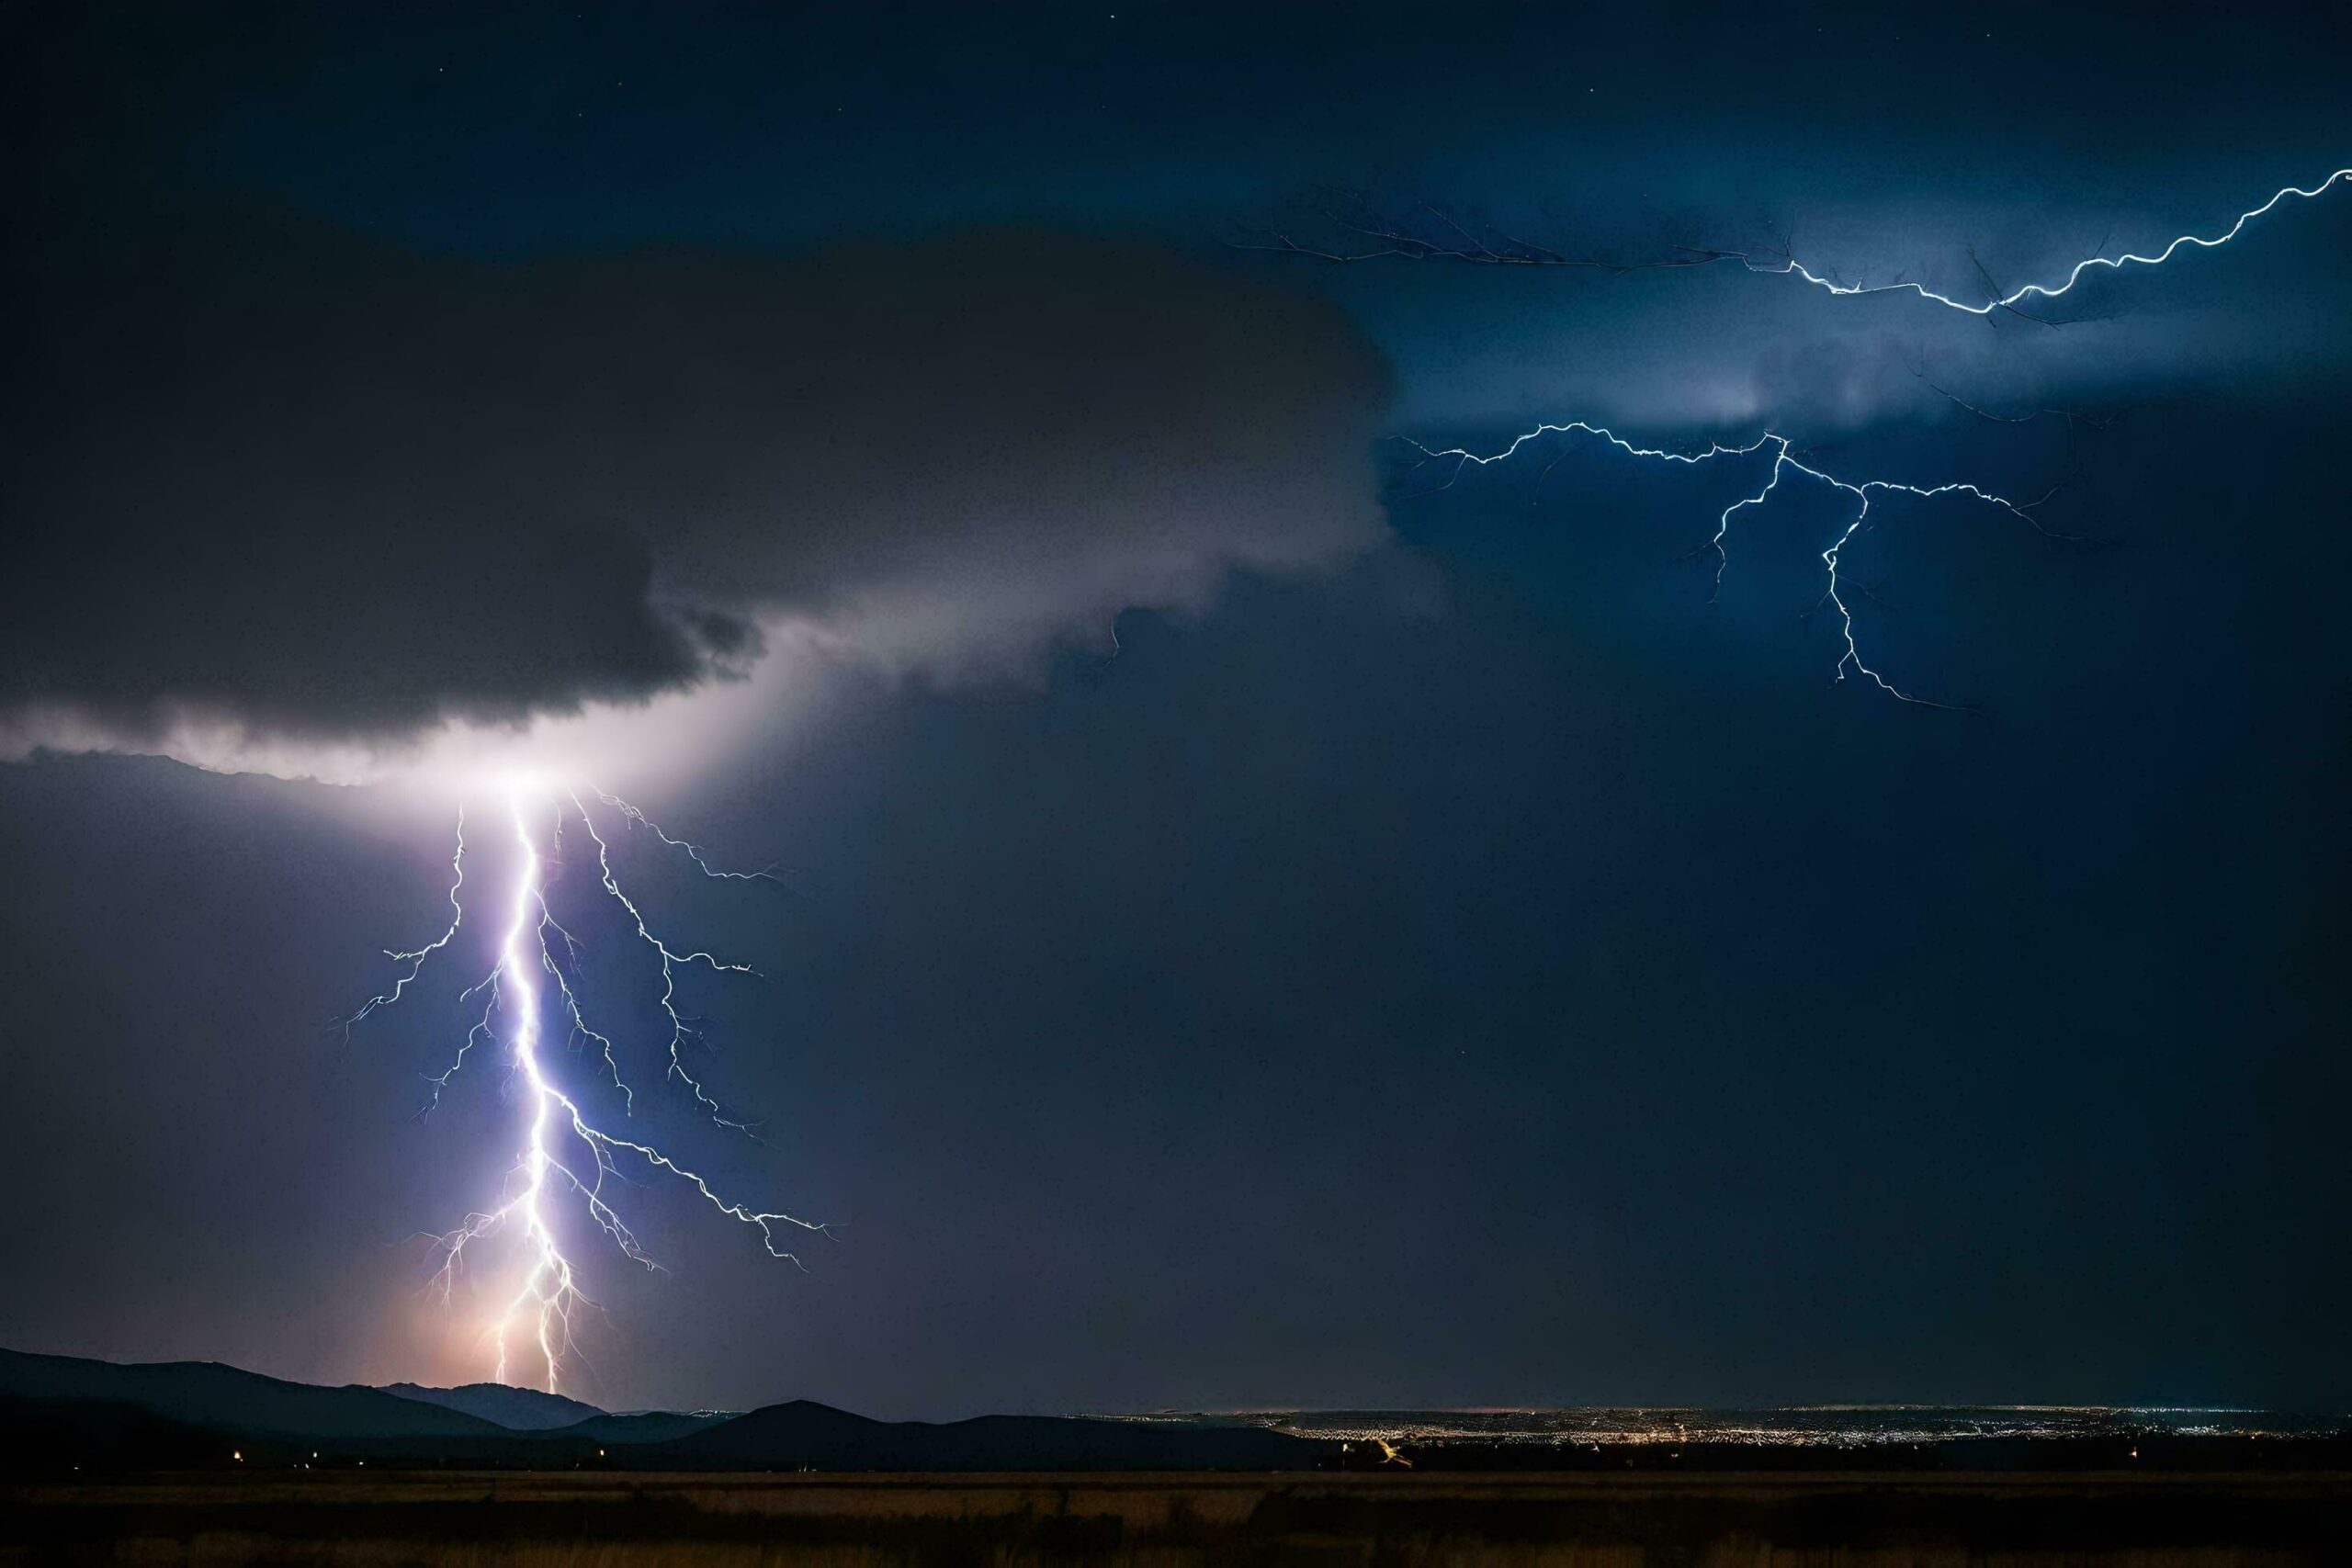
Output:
[[1783, 462], [1464, 246], [563, 1152]]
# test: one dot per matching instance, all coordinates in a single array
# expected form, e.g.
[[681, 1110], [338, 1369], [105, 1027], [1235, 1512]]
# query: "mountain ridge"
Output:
[[516, 1409], [205, 1394], [61, 1412]]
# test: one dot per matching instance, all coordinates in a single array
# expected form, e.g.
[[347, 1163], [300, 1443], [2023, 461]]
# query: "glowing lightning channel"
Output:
[[671, 964], [693, 851], [1782, 461], [414, 958], [556, 1130], [1396, 242], [1791, 267]]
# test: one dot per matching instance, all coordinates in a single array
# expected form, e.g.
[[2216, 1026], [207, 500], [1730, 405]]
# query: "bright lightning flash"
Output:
[[564, 1155]]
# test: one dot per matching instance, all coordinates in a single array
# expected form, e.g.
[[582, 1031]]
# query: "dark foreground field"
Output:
[[557, 1520]]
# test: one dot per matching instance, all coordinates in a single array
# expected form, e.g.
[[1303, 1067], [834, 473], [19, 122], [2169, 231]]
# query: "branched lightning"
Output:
[[679, 1032], [693, 851], [1450, 240], [1784, 461], [563, 1151], [414, 957]]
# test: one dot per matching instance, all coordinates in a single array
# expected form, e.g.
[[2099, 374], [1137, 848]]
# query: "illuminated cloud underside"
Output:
[[564, 1154]]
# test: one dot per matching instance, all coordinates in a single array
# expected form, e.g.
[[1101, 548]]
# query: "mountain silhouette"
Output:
[[787, 1436], [517, 1409], [226, 1399], [645, 1426], [61, 1412]]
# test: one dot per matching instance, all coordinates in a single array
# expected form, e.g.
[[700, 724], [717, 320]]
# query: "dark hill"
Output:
[[787, 1436], [224, 1399], [644, 1426], [91, 1436], [63, 1411], [517, 1409]]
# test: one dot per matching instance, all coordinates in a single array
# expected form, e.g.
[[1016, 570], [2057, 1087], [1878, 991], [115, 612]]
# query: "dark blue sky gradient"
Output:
[[1482, 973]]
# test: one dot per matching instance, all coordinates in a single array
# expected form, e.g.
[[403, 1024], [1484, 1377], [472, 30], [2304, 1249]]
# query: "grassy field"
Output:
[[572, 1520]]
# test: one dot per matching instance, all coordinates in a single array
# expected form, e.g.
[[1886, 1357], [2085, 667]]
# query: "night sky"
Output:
[[1256, 923]]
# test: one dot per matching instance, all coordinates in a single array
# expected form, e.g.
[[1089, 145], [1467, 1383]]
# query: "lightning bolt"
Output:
[[1462, 246], [1791, 267], [563, 1153], [1784, 461], [693, 851], [1392, 240], [671, 962], [414, 957]]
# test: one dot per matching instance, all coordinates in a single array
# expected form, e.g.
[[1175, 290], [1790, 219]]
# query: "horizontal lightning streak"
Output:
[[1395, 242], [1783, 461], [2073, 276], [1392, 241]]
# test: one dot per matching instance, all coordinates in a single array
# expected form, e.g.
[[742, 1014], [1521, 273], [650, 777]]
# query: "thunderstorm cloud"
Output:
[[275, 479]]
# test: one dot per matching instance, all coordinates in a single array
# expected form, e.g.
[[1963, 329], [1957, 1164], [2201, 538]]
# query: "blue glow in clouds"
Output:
[[1861, 489]]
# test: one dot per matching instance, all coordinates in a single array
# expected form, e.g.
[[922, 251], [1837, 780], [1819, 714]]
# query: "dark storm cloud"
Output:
[[274, 476]]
